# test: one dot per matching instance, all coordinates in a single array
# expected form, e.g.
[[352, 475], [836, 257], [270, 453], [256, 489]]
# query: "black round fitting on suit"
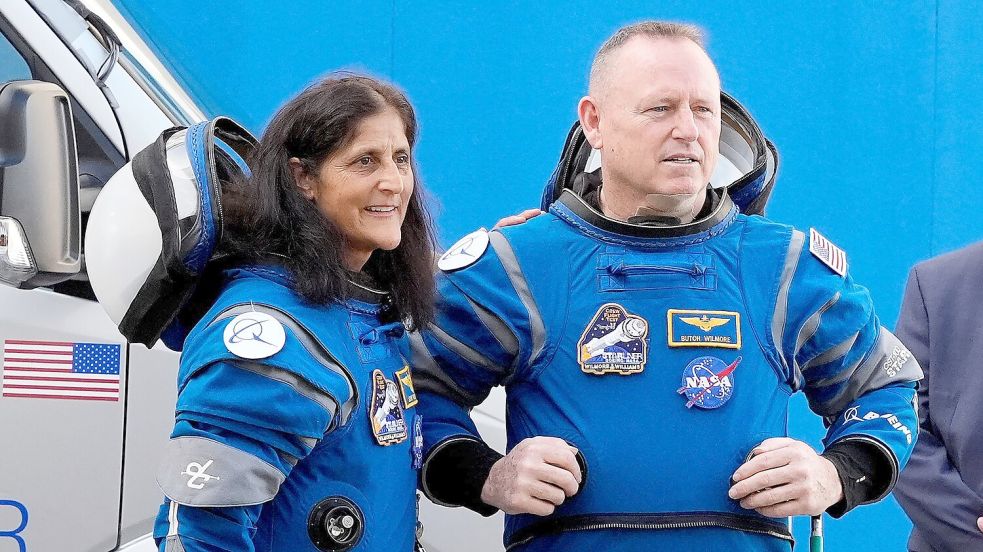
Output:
[[582, 462], [747, 459], [335, 524]]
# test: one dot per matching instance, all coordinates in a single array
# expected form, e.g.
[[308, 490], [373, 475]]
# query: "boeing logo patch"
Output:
[[614, 342], [704, 328], [465, 252], [254, 335], [708, 382], [853, 415], [385, 412]]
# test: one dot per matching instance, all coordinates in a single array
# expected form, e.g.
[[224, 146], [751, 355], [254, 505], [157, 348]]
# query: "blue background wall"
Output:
[[875, 107]]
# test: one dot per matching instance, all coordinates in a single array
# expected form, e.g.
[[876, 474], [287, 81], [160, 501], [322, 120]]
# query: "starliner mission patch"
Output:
[[613, 342]]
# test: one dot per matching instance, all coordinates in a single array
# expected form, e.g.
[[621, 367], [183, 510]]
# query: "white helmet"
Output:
[[156, 224]]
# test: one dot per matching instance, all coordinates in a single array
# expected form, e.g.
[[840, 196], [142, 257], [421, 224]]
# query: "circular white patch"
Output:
[[254, 335], [465, 252]]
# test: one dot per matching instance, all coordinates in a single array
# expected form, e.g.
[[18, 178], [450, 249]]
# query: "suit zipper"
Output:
[[667, 525]]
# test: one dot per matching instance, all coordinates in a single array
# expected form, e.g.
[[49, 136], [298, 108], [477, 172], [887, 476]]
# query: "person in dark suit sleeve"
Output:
[[941, 322]]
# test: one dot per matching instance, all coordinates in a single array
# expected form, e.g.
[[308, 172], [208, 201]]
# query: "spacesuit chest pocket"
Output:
[[635, 271]]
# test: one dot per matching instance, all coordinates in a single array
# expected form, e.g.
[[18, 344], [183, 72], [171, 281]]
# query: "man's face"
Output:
[[658, 125]]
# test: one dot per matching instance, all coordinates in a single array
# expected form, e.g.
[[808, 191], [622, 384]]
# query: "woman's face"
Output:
[[365, 187]]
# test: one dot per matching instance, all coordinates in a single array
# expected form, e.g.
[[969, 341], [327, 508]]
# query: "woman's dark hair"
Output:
[[268, 219]]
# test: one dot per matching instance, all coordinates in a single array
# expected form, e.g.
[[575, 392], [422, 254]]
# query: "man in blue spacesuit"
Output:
[[649, 336]]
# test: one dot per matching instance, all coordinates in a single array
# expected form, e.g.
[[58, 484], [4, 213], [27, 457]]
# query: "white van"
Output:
[[84, 415]]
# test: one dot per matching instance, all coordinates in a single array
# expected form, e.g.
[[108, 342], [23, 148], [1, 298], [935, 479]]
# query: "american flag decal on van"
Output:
[[61, 370]]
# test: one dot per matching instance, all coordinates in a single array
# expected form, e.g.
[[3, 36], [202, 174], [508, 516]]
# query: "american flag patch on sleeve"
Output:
[[825, 251]]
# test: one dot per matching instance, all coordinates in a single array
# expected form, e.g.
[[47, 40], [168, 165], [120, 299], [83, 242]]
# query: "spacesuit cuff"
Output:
[[455, 473], [864, 473]]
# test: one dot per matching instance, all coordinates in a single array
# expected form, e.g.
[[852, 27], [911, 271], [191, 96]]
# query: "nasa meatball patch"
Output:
[[708, 382], [614, 342]]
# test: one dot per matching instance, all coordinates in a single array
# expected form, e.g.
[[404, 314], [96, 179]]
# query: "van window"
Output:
[[98, 157], [12, 64]]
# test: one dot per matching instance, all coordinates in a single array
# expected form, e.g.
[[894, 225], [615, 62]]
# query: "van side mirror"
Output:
[[40, 221]]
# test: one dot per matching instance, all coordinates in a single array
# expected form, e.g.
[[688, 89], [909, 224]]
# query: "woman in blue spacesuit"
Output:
[[295, 423]]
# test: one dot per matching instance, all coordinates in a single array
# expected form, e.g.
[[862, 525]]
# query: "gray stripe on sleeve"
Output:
[[836, 352], [310, 343], [889, 361], [174, 544], [465, 352], [536, 327], [900, 364], [499, 329], [428, 376], [298, 384], [172, 519], [308, 441], [841, 376], [196, 471], [288, 458], [781, 304], [808, 329]]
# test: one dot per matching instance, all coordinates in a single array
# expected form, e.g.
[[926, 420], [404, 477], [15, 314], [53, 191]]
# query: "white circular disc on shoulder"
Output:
[[465, 252], [254, 335]]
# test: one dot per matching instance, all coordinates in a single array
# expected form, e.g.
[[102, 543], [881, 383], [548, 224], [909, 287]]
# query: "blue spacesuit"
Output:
[[664, 354], [296, 426]]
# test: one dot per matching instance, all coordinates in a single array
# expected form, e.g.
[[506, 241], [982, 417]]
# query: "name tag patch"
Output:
[[704, 328]]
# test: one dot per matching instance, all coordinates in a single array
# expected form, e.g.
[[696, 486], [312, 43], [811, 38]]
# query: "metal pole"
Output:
[[816, 535]]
